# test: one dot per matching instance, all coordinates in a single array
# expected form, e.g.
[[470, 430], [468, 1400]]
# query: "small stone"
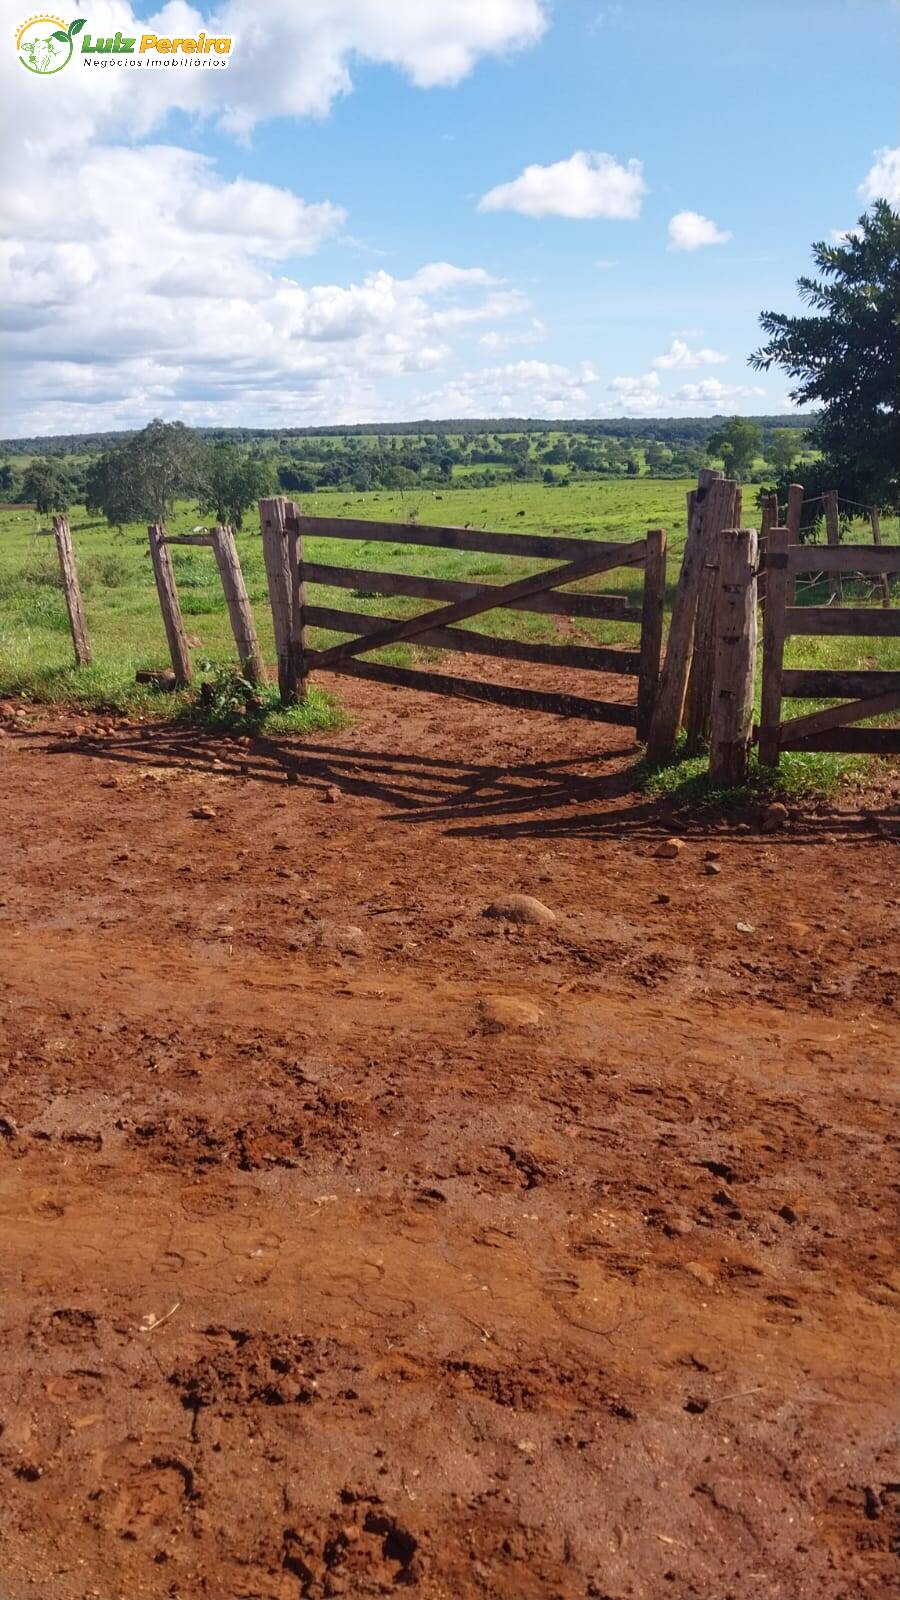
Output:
[[775, 817], [703, 1273], [332, 795], [787, 1214], [343, 937], [203, 813], [520, 908], [291, 779], [505, 1014], [109, 783], [711, 869], [745, 927], [669, 850], [663, 899]]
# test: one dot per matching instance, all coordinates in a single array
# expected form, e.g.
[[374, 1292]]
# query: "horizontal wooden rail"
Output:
[[873, 558], [812, 684], [205, 539], [817, 722], [531, 545], [851, 621], [562, 705], [589, 564], [591, 658], [604, 607], [848, 741]]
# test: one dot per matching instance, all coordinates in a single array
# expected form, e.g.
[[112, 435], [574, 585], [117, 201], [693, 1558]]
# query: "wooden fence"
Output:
[[706, 682], [870, 694], [290, 576]]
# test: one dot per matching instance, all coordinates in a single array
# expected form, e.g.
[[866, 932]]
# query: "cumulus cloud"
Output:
[[520, 388], [637, 395], [534, 333], [134, 277], [680, 355], [882, 181], [711, 393], [589, 184], [288, 60], [688, 230], [191, 308]]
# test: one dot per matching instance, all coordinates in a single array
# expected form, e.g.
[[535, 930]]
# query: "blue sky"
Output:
[[388, 210]]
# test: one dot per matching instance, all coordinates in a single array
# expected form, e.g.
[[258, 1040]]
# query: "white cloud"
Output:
[[521, 388], [843, 235], [289, 59], [637, 395], [688, 230], [494, 341], [710, 392], [682, 356], [882, 181], [190, 309], [135, 278], [589, 184]]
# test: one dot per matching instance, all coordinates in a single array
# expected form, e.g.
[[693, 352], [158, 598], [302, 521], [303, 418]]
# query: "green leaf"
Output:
[[76, 27], [63, 36]]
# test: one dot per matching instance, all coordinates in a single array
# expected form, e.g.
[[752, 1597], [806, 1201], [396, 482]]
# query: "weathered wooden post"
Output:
[[779, 595], [238, 602], [792, 519], [652, 613], [167, 590], [273, 517], [876, 539], [72, 589], [731, 721], [673, 678], [833, 527], [768, 506], [722, 509]]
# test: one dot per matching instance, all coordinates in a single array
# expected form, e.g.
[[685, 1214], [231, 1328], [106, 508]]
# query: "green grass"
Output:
[[127, 633]]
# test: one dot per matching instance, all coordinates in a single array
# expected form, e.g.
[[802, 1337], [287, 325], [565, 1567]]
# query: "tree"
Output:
[[43, 484], [738, 444], [845, 357], [7, 478], [141, 480], [784, 446], [232, 483]]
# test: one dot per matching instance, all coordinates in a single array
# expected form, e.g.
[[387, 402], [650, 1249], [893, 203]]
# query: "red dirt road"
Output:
[[354, 1242]]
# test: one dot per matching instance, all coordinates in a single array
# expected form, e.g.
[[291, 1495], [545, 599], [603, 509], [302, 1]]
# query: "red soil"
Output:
[[353, 1241]]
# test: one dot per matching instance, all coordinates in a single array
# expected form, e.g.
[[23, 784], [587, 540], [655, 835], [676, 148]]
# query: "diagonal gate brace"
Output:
[[488, 598]]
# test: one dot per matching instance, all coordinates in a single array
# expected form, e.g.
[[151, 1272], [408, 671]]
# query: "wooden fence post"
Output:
[[833, 527], [273, 516], [66, 552], [779, 592], [792, 519], [768, 507], [167, 590], [722, 510], [731, 722], [238, 602], [876, 539], [298, 595], [673, 678], [652, 613]]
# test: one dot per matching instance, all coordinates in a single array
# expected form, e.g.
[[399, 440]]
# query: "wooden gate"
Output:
[[291, 574], [870, 694]]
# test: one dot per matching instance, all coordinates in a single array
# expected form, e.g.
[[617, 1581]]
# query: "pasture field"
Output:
[[126, 627]]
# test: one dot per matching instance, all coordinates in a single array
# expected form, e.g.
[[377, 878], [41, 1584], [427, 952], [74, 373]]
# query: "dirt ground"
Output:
[[355, 1242]]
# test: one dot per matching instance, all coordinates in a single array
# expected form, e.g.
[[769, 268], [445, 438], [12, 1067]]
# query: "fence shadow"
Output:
[[465, 798]]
